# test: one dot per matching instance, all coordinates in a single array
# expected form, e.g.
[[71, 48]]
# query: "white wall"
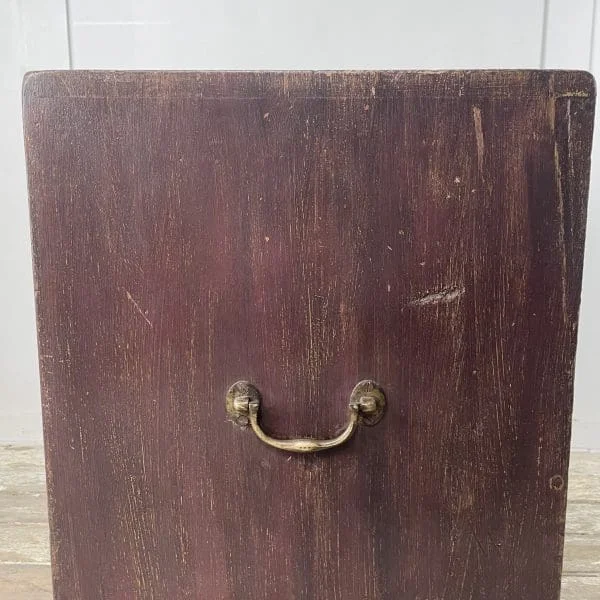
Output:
[[309, 34], [586, 417], [270, 34], [32, 36]]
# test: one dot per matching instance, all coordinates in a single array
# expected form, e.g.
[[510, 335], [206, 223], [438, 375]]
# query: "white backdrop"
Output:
[[268, 34]]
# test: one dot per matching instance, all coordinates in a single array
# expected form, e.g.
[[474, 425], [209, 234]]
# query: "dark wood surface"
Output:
[[305, 231]]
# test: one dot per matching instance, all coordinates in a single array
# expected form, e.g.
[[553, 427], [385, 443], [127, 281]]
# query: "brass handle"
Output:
[[367, 404]]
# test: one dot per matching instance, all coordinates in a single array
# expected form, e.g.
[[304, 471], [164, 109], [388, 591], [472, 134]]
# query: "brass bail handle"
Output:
[[367, 404]]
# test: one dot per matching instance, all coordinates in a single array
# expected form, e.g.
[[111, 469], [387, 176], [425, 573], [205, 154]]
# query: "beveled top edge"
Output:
[[305, 84]]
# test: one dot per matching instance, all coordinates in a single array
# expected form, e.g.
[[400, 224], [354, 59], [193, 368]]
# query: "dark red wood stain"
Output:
[[304, 231]]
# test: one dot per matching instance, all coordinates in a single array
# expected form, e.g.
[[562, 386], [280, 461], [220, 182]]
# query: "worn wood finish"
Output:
[[25, 556], [304, 231]]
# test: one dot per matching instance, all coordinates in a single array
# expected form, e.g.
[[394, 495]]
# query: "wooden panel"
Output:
[[23, 497], [305, 231]]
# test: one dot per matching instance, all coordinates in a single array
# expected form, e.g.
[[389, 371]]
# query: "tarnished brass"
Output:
[[367, 404]]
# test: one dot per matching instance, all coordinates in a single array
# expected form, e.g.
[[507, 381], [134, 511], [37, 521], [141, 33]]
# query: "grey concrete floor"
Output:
[[24, 551]]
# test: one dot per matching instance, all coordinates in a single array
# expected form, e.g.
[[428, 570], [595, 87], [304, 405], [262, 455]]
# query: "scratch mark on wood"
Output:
[[479, 137], [137, 307], [561, 230], [444, 296], [573, 94]]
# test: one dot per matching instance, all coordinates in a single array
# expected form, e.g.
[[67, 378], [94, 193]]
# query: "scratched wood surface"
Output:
[[305, 231], [25, 553]]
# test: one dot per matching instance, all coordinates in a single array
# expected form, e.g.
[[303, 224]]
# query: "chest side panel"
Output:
[[304, 232]]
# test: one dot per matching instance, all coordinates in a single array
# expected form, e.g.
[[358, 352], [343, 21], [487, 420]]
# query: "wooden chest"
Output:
[[419, 232]]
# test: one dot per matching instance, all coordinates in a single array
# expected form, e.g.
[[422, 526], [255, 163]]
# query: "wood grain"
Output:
[[304, 231], [23, 500]]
